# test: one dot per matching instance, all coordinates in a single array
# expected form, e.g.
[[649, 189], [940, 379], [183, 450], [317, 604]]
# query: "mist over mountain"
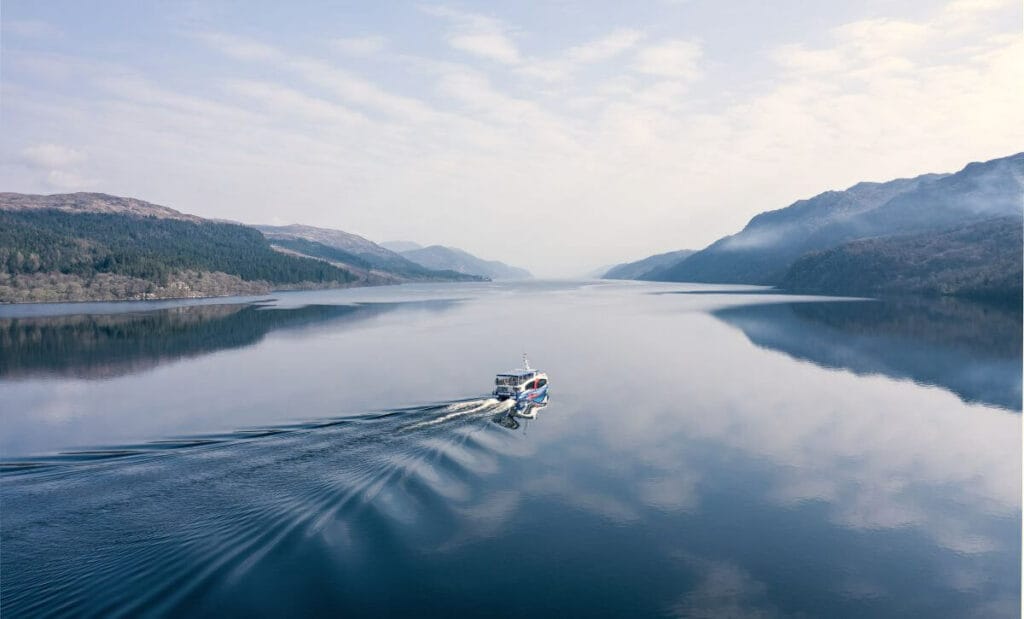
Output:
[[924, 212], [440, 257], [764, 249], [638, 268]]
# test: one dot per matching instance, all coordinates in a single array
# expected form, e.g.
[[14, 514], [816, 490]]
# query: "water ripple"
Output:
[[185, 519]]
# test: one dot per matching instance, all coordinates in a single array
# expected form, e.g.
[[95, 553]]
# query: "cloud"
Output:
[[61, 179], [323, 74], [879, 46], [961, 17], [674, 59], [488, 45], [31, 29], [51, 156], [202, 110], [798, 58], [880, 38], [606, 47], [360, 46], [288, 101], [476, 91], [598, 50], [546, 70], [57, 165], [479, 35], [239, 47]]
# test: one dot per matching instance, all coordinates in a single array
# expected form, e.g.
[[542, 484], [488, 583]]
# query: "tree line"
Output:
[[149, 248]]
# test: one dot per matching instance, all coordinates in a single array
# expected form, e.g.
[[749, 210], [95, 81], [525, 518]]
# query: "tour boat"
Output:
[[524, 385]]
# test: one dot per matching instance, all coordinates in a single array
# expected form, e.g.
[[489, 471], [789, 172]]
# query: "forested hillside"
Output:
[[981, 261], [48, 254]]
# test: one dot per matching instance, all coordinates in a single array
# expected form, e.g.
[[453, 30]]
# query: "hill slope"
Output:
[[358, 255], [639, 268], [400, 246], [74, 247], [764, 250], [453, 259], [978, 260], [97, 203]]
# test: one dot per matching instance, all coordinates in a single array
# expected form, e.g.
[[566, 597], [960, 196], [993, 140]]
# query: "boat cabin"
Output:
[[517, 381]]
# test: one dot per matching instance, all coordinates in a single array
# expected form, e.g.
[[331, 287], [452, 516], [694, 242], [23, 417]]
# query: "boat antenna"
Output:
[[526, 362]]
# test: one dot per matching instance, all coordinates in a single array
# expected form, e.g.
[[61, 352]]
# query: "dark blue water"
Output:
[[334, 453]]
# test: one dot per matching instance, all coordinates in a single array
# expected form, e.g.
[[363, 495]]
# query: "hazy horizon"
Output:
[[559, 138]]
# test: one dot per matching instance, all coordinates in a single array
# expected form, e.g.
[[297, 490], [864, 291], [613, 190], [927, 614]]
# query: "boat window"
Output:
[[542, 382]]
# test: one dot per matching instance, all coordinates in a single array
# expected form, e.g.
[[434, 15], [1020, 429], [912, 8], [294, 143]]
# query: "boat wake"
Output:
[[196, 523], [487, 406]]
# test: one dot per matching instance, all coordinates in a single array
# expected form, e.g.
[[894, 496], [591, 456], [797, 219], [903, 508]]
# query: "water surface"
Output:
[[715, 452]]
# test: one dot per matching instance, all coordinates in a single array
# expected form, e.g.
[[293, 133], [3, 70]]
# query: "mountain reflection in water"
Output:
[[971, 349], [108, 345]]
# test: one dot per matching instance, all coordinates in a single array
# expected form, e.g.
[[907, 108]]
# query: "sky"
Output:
[[559, 136]]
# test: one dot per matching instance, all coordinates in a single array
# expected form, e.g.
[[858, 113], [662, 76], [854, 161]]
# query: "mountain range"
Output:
[[439, 257], [957, 234], [407, 260], [93, 246], [374, 263]]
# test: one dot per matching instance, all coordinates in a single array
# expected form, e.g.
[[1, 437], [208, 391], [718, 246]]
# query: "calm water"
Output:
[[705, 452]]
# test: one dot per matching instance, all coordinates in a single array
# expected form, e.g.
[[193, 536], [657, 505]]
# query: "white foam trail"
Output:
[[504, 405], [458, 406], [461, 410]]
